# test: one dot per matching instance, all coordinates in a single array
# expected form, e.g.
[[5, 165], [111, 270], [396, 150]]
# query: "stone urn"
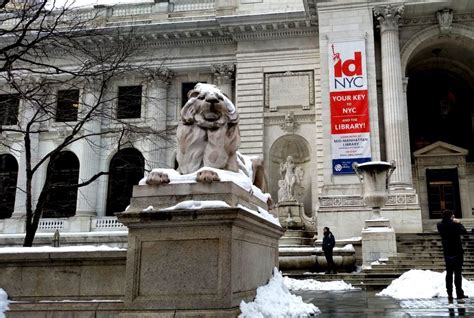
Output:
[[374, 176]]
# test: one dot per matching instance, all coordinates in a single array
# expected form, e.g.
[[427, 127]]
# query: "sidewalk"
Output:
[[360, 304]]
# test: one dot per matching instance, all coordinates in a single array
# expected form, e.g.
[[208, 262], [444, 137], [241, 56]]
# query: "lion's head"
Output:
[[208, 107]]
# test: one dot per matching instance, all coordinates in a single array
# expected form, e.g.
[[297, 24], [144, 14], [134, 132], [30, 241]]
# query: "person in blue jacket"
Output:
[[451, 230], [328, 244]]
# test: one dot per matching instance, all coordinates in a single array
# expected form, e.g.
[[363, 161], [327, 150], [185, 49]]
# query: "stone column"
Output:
[[89, 157], [395, 110], [155, 154], [224, 76], [20, 196]]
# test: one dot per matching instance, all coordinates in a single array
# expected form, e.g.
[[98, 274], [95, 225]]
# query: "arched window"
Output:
[[63, 173], [126, 169], [8, 177]]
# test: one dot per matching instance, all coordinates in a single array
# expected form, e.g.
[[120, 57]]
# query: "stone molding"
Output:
[[289, 74], [389, 17], [402, 199]]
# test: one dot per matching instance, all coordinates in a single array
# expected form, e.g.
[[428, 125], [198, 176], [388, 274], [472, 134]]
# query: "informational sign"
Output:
[[348, 99]]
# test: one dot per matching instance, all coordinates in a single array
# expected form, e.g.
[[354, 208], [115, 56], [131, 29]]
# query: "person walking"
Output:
[[328, 244], [451, 230]]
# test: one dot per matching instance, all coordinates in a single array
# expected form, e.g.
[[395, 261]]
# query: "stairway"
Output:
[[415, 251], [423, 251]]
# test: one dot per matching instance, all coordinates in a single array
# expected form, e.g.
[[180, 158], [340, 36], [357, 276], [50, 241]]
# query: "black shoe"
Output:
[[334, 272], [327, 272], [462, 297], [450, 299]]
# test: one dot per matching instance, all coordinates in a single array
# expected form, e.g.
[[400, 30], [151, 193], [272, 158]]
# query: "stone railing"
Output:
[[193, 5], [129, 10], [107, 224], [50, 225], [64, 225]]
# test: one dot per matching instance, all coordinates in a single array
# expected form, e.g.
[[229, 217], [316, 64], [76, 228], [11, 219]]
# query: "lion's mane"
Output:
[[208, 132]]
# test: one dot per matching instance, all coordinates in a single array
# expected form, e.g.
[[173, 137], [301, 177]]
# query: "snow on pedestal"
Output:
[[3, 303]]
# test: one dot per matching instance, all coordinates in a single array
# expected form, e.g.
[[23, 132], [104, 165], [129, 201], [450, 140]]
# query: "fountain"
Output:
[[378, 237]]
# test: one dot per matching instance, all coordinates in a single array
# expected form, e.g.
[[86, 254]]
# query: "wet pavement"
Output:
[[360, 304]]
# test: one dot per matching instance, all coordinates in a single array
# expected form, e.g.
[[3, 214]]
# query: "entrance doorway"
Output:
[[443, 192]]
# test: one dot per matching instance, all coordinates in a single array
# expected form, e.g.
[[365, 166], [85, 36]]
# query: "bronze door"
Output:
[[443, 192]]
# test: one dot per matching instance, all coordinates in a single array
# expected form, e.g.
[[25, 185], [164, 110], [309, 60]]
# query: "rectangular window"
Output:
[[9, 109], [129, 102], [185, 88], [68, 104]]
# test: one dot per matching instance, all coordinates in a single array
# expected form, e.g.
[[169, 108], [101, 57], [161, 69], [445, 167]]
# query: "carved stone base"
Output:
[[289, 214], [378, 242], [196, 259]]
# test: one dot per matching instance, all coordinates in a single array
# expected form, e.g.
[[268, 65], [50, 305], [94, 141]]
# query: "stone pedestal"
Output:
[[289, 214], [200, 262], [378, 241]]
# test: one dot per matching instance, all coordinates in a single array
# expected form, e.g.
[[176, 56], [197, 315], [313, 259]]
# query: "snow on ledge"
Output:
[[50, 249], [264, 214], [3, 303], [239, 178], [193, 205], [275, 300]]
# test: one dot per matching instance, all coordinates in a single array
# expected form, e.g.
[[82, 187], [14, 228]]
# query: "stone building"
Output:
[[327, 82]]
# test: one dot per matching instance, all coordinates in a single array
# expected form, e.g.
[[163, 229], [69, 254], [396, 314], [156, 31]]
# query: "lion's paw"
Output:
[[157, 178], [207, 176]]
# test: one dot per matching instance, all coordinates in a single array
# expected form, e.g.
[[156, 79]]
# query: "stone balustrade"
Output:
[[72, 224]]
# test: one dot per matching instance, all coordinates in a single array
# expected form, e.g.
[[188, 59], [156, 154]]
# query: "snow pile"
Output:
[[49, 249], [422, 284], [190, 204], [275, 300], [311, 284], [3, 303]]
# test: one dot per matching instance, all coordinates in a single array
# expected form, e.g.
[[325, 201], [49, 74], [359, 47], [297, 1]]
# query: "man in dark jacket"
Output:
[[451, 230], [328, 244]]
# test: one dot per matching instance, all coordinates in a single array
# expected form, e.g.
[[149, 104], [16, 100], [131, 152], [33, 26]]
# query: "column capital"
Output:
[[389, 16], [223, 72], [163, 75]]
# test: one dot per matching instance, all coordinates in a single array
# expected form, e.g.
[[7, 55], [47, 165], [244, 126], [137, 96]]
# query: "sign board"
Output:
[[348, 100]]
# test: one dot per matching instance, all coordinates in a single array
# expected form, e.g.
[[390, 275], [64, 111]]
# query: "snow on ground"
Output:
[[311, 284], [3, 303], [422, 284], [275, 300], [49, 249]]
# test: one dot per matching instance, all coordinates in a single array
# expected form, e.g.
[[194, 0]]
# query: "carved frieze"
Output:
[[357, 201]]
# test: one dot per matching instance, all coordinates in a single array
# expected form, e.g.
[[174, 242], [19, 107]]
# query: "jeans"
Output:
[[454, 266], [331, 265]]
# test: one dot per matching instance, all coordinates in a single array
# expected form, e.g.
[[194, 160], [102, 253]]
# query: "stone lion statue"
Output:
[[208, 136]]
